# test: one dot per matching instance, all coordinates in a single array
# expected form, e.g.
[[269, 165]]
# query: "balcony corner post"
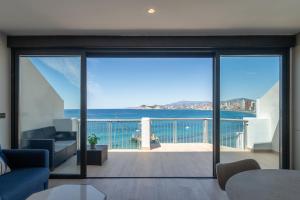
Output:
[[205, 131]]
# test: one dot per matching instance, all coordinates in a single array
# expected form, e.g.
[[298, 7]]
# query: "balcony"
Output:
[[152, 146], [167, 147]]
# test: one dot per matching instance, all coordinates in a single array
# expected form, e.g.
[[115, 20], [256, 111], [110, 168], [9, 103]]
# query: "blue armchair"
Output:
[[29, 173]]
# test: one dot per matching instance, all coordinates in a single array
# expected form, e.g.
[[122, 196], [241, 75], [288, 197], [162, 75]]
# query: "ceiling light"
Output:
[[151, 11]]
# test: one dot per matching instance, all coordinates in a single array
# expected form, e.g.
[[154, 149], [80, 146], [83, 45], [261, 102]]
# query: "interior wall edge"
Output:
[[5, 84]]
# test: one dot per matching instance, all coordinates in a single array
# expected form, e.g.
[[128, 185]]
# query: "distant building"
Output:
[[240, 104]]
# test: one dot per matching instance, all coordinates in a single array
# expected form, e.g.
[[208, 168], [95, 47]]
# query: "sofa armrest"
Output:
[[25, 158], [65, 135]]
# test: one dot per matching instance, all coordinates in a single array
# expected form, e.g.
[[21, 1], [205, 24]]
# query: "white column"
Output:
[[68, 124], [205, 131], [145, 133]]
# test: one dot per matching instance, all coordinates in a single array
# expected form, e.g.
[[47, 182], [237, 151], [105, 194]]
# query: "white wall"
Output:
[[4, 92], [263, 131], [296, 105], [39, 102], [268, 108], [257, 134]]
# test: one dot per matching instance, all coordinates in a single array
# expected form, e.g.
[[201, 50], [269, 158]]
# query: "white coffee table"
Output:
[[69, 192]]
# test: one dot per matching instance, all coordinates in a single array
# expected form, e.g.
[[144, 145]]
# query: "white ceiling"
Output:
[[130, 17]]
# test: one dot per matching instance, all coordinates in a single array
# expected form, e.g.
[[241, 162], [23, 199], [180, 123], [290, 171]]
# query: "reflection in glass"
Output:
[[48, 86], [250, 109]]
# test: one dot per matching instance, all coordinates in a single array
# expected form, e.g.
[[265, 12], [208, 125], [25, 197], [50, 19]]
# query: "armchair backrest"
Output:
[[226, 170], [41, 133]]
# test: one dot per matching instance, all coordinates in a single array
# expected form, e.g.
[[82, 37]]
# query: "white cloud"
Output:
[[69, 67], [94, 94]]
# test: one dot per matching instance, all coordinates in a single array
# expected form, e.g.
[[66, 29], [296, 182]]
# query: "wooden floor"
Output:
[[170, 160], [152, 189]]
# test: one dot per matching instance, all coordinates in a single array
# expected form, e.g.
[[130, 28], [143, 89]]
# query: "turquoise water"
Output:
[[139, 113], [119, 134]]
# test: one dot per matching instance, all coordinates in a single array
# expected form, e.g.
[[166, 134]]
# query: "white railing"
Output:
[[140, 133], [182, 130], [233, 133], [116, 133]]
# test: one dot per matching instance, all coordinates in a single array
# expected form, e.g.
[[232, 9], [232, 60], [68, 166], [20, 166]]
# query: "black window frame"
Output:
[[104, 46]]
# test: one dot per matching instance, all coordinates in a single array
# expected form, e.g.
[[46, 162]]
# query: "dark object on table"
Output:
[[93, 146], [95, 156], [29, 173], [61, 145], [227, 170]]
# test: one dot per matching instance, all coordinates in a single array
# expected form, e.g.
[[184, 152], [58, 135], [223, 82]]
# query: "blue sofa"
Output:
[[29, 173]]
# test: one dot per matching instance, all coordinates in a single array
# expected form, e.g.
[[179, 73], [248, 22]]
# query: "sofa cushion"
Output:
[[2, 154], [4, 168], [21, 183], [41, 133], [61, 145]]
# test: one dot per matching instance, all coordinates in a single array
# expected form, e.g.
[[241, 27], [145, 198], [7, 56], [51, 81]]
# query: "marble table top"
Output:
[[69, 192]]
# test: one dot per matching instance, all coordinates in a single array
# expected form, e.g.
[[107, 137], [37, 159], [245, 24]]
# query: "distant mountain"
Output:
[[238, 104], [197, 105], [188, 103]]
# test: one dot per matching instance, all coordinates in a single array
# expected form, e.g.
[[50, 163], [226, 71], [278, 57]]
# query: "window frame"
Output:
[[184, 48]]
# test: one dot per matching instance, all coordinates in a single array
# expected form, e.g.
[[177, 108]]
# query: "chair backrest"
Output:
[[226, 170]]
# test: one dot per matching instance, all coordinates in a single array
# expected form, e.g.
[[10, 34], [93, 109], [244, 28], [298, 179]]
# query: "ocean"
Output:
[[139, 113], [120, 134]]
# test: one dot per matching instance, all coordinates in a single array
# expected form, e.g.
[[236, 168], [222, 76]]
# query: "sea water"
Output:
[[120, 134]]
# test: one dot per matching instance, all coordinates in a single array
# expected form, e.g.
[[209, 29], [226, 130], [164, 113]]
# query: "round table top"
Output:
[[69, 192], [265, 184]]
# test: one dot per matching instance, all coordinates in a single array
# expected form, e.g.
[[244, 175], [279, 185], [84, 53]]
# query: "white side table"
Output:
[[69, 192]]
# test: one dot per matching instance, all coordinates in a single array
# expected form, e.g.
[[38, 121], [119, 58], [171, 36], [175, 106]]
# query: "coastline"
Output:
[[118, 113], [239, 111]]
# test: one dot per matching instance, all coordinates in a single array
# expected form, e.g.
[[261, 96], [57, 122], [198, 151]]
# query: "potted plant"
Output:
[[93, 139]]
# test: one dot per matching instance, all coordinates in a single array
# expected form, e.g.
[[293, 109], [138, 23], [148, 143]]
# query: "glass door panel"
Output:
[[249, 124], [153, 114], [49, 109]]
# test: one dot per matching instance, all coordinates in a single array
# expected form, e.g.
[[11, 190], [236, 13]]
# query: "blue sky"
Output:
[[249, 77], [128, 82]]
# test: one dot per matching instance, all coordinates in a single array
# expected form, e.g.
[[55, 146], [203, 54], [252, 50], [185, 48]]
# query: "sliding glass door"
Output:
[[49, 109], [250, 109], [122, 115], [153, 115]]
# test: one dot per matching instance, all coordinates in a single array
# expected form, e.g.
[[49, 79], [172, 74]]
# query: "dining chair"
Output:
[[226, 170]]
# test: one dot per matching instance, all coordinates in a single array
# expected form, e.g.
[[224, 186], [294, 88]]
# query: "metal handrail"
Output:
[[166, 119], [113, 120]]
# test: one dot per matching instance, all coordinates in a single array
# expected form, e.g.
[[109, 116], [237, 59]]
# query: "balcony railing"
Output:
[[116, 133], [140, 133]]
